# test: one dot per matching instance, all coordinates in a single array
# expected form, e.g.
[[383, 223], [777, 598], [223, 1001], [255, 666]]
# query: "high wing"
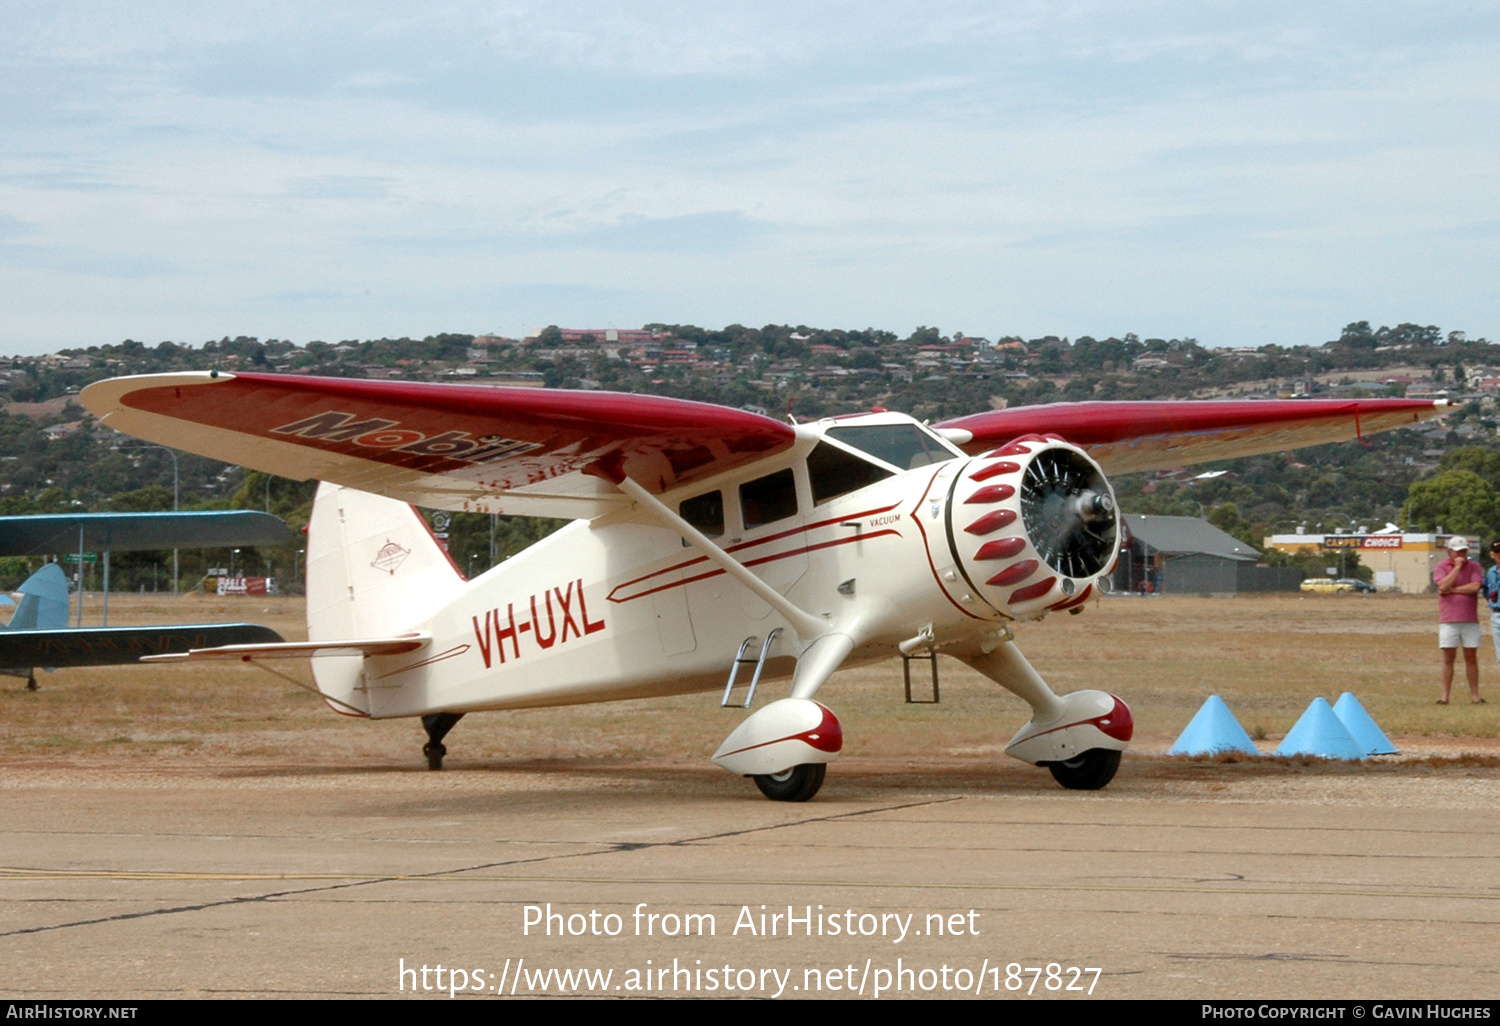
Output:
[[538, 452], [1126, 437]]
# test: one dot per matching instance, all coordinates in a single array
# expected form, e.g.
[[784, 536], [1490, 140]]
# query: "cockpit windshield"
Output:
[[902, 445]]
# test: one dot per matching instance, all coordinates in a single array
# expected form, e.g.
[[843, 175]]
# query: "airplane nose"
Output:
[[1035, 523]]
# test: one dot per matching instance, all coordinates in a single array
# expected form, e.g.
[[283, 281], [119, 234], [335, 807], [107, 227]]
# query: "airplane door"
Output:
[[674, 621]]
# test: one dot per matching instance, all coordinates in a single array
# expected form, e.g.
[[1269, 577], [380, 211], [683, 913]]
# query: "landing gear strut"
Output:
[[437, 726]]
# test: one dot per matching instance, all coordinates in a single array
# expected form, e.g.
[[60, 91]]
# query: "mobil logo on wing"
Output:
[[379, 435]]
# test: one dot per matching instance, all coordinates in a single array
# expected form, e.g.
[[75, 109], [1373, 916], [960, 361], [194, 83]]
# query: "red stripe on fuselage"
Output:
[[715, 572], [742, 546]]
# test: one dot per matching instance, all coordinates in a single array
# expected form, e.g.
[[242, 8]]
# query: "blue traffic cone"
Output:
[[1319, 732], [1362, 726], [1213, 729]]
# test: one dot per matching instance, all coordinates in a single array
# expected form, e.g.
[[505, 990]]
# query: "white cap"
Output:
[[1457, 542]]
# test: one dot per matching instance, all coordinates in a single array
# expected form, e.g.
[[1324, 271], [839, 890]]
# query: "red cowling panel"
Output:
[[1014, 574], [991, 493], [991, 522], [993, 470], [506, 437], [1001, 548], [1133, 436], [1032, 591]]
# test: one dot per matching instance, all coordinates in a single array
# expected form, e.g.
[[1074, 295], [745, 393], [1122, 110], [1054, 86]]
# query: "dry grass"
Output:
[[1267, 656]]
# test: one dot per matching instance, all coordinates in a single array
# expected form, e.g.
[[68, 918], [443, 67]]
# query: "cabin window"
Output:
[[768, 499], [705, 512], [901, 445], [833, 472]]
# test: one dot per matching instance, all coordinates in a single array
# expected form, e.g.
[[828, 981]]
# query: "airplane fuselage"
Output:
[[622, 608]]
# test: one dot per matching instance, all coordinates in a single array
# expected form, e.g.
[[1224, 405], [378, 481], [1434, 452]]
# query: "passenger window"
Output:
[[705, 512], [833, 472], [768, 499]]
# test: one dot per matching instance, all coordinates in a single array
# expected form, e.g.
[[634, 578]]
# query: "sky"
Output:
[[1241, 174]]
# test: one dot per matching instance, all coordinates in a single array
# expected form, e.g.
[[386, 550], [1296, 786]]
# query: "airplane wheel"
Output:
[[797, 784], [1089, 771], [434, 752]]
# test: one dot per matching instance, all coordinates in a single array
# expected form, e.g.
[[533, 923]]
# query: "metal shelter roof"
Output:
[[126, 532], [1182, 536]]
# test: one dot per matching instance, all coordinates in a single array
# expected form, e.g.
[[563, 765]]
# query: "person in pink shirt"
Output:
[[1458, 580]]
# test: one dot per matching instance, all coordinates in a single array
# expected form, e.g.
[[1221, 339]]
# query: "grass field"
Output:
[[1267, 656]]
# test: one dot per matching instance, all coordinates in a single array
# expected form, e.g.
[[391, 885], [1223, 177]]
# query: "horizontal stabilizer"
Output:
[[304, 649], [115, 646]]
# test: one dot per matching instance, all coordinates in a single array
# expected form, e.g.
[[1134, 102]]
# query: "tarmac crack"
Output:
[[610, 849], [1292, 956]]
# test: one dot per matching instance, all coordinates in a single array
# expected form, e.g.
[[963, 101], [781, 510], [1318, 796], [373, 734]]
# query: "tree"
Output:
[[1226, 517], [1480, 459], [1459, 501]]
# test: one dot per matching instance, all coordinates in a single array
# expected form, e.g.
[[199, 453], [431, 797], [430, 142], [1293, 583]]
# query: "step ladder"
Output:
[[741, 659], [906, 661]]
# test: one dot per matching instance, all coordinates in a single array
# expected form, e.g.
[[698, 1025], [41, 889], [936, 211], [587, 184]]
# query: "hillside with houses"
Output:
[[53, 458]]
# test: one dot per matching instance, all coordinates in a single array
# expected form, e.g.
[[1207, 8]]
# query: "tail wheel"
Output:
[[1087, 772], [797, 784]]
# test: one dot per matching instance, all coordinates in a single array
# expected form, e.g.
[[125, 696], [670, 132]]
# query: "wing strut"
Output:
[[804, 623]]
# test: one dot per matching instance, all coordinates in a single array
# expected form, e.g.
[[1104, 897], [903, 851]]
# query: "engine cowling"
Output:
[[1034, 526]]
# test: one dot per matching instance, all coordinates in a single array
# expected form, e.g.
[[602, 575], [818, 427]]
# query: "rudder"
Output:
[[374, 570], [44, 601]]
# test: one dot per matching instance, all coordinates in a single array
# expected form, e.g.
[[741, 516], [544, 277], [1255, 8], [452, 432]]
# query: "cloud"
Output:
[[1011, 165]]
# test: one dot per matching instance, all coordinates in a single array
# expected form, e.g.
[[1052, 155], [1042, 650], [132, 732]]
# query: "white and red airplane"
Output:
[[703, 538]]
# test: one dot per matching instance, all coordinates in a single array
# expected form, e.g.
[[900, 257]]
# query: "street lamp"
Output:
[[175, 479]]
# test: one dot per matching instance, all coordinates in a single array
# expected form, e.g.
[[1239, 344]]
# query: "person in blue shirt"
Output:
[[1491, 594]]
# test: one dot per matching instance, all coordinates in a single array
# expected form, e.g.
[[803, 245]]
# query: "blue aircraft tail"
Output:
[[44, 601]]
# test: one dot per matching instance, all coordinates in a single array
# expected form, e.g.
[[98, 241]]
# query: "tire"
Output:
[[797, 784], [1089, 771]]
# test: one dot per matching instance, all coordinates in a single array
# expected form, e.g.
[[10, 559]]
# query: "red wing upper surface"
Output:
[[541, 452], [1134, 436]]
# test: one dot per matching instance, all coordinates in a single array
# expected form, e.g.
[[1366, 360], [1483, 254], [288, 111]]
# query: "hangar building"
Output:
[[1187, 555]]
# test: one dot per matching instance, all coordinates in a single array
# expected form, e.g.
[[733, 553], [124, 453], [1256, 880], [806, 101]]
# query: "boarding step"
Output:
[[741, 659], [906, 661]]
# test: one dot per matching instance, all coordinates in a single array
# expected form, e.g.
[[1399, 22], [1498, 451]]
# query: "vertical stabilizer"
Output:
[[44, 601], [374, 570]]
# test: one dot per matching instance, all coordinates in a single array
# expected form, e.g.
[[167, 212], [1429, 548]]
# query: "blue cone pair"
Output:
[[1341, 731]]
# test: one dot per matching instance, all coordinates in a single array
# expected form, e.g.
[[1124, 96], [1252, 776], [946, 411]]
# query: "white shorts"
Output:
[[1450, 635]]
